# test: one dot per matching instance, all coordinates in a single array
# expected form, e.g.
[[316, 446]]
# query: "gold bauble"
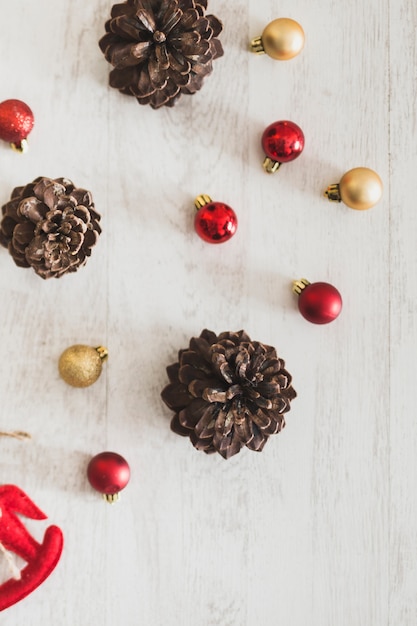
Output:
[[80, 366], [360, 188], [283, 39]]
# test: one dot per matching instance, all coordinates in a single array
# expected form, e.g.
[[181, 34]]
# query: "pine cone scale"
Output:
[[176, 396], [126, 26], [170, 20], [204, 428], [23, 233], [147, 19], [189, 20], [244, 431]]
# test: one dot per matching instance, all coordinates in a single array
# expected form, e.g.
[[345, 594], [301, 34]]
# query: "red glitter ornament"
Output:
[[282, 142], [41, 558], [319, 303], [215, 222], [108, 473], [16, 122]]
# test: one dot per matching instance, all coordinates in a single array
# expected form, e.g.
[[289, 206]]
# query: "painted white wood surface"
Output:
[[321, 528]]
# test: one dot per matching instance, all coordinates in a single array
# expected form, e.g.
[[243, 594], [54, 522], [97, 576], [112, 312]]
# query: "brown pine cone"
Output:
[[160, 49], [50, 225], [227, 392]]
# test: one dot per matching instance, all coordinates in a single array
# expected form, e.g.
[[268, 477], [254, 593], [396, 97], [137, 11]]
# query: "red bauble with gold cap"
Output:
[[108, 473], [215, 222], [16, 122], [282, 142], [318, 303]]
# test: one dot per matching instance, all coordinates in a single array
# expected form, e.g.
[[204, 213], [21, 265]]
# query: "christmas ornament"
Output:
[[160, 49], [16, 122], [50, 225], [319, 303], [360, 189], [281, 39], [108, 473], [80, 366], [14, 538], [214, 222], [228, 392], [282, 142]]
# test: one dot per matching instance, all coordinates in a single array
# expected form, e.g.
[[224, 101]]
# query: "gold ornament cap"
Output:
[[81, 366], [201, 201], [360, 188], [299, 285], [270, 166], [282, 39], [21, 147]]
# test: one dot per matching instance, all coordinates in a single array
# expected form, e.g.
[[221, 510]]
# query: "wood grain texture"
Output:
[[321, 528]]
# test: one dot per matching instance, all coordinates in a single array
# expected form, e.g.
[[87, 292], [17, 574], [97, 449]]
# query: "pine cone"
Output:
[[227, 392], [50, 225], [160, 49]]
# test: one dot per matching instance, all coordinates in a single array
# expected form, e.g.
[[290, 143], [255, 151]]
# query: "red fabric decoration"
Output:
[[14, 537]]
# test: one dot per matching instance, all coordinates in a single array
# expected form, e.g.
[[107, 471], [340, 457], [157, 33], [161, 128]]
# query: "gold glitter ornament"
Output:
[[80, 366]]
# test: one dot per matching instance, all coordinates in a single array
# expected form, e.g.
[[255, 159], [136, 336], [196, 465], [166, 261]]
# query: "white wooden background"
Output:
[[321, 528]]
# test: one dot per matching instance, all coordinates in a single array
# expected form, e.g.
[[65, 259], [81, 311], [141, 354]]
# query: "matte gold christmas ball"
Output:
[[360, 188], [80, 366], [283, 39]]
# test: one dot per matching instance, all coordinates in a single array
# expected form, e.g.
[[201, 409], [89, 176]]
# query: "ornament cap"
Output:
[[332, 193], [20, 146], [299, 285], [201, 201], [257, 46], [270, 166], [111, 498], [102, 352]]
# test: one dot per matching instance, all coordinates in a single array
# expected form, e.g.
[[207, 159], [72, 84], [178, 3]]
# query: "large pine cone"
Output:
[[160, 49], [228, 392], [50, 225]]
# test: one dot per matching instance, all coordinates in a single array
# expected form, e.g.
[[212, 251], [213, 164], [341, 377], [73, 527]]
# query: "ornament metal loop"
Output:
[[22, 147], [202, 200], [256, 45], [299, 285], [332, 193], [270, 166]]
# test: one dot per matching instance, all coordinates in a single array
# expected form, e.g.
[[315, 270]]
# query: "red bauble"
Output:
[[16, 122], [215, 222], [108, 473], [283, 141], [319, 303]]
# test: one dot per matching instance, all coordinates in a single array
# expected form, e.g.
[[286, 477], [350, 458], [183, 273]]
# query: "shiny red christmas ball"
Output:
[[320, 303], [108, 473], [16, 121], [215, 222], [283, 141]]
